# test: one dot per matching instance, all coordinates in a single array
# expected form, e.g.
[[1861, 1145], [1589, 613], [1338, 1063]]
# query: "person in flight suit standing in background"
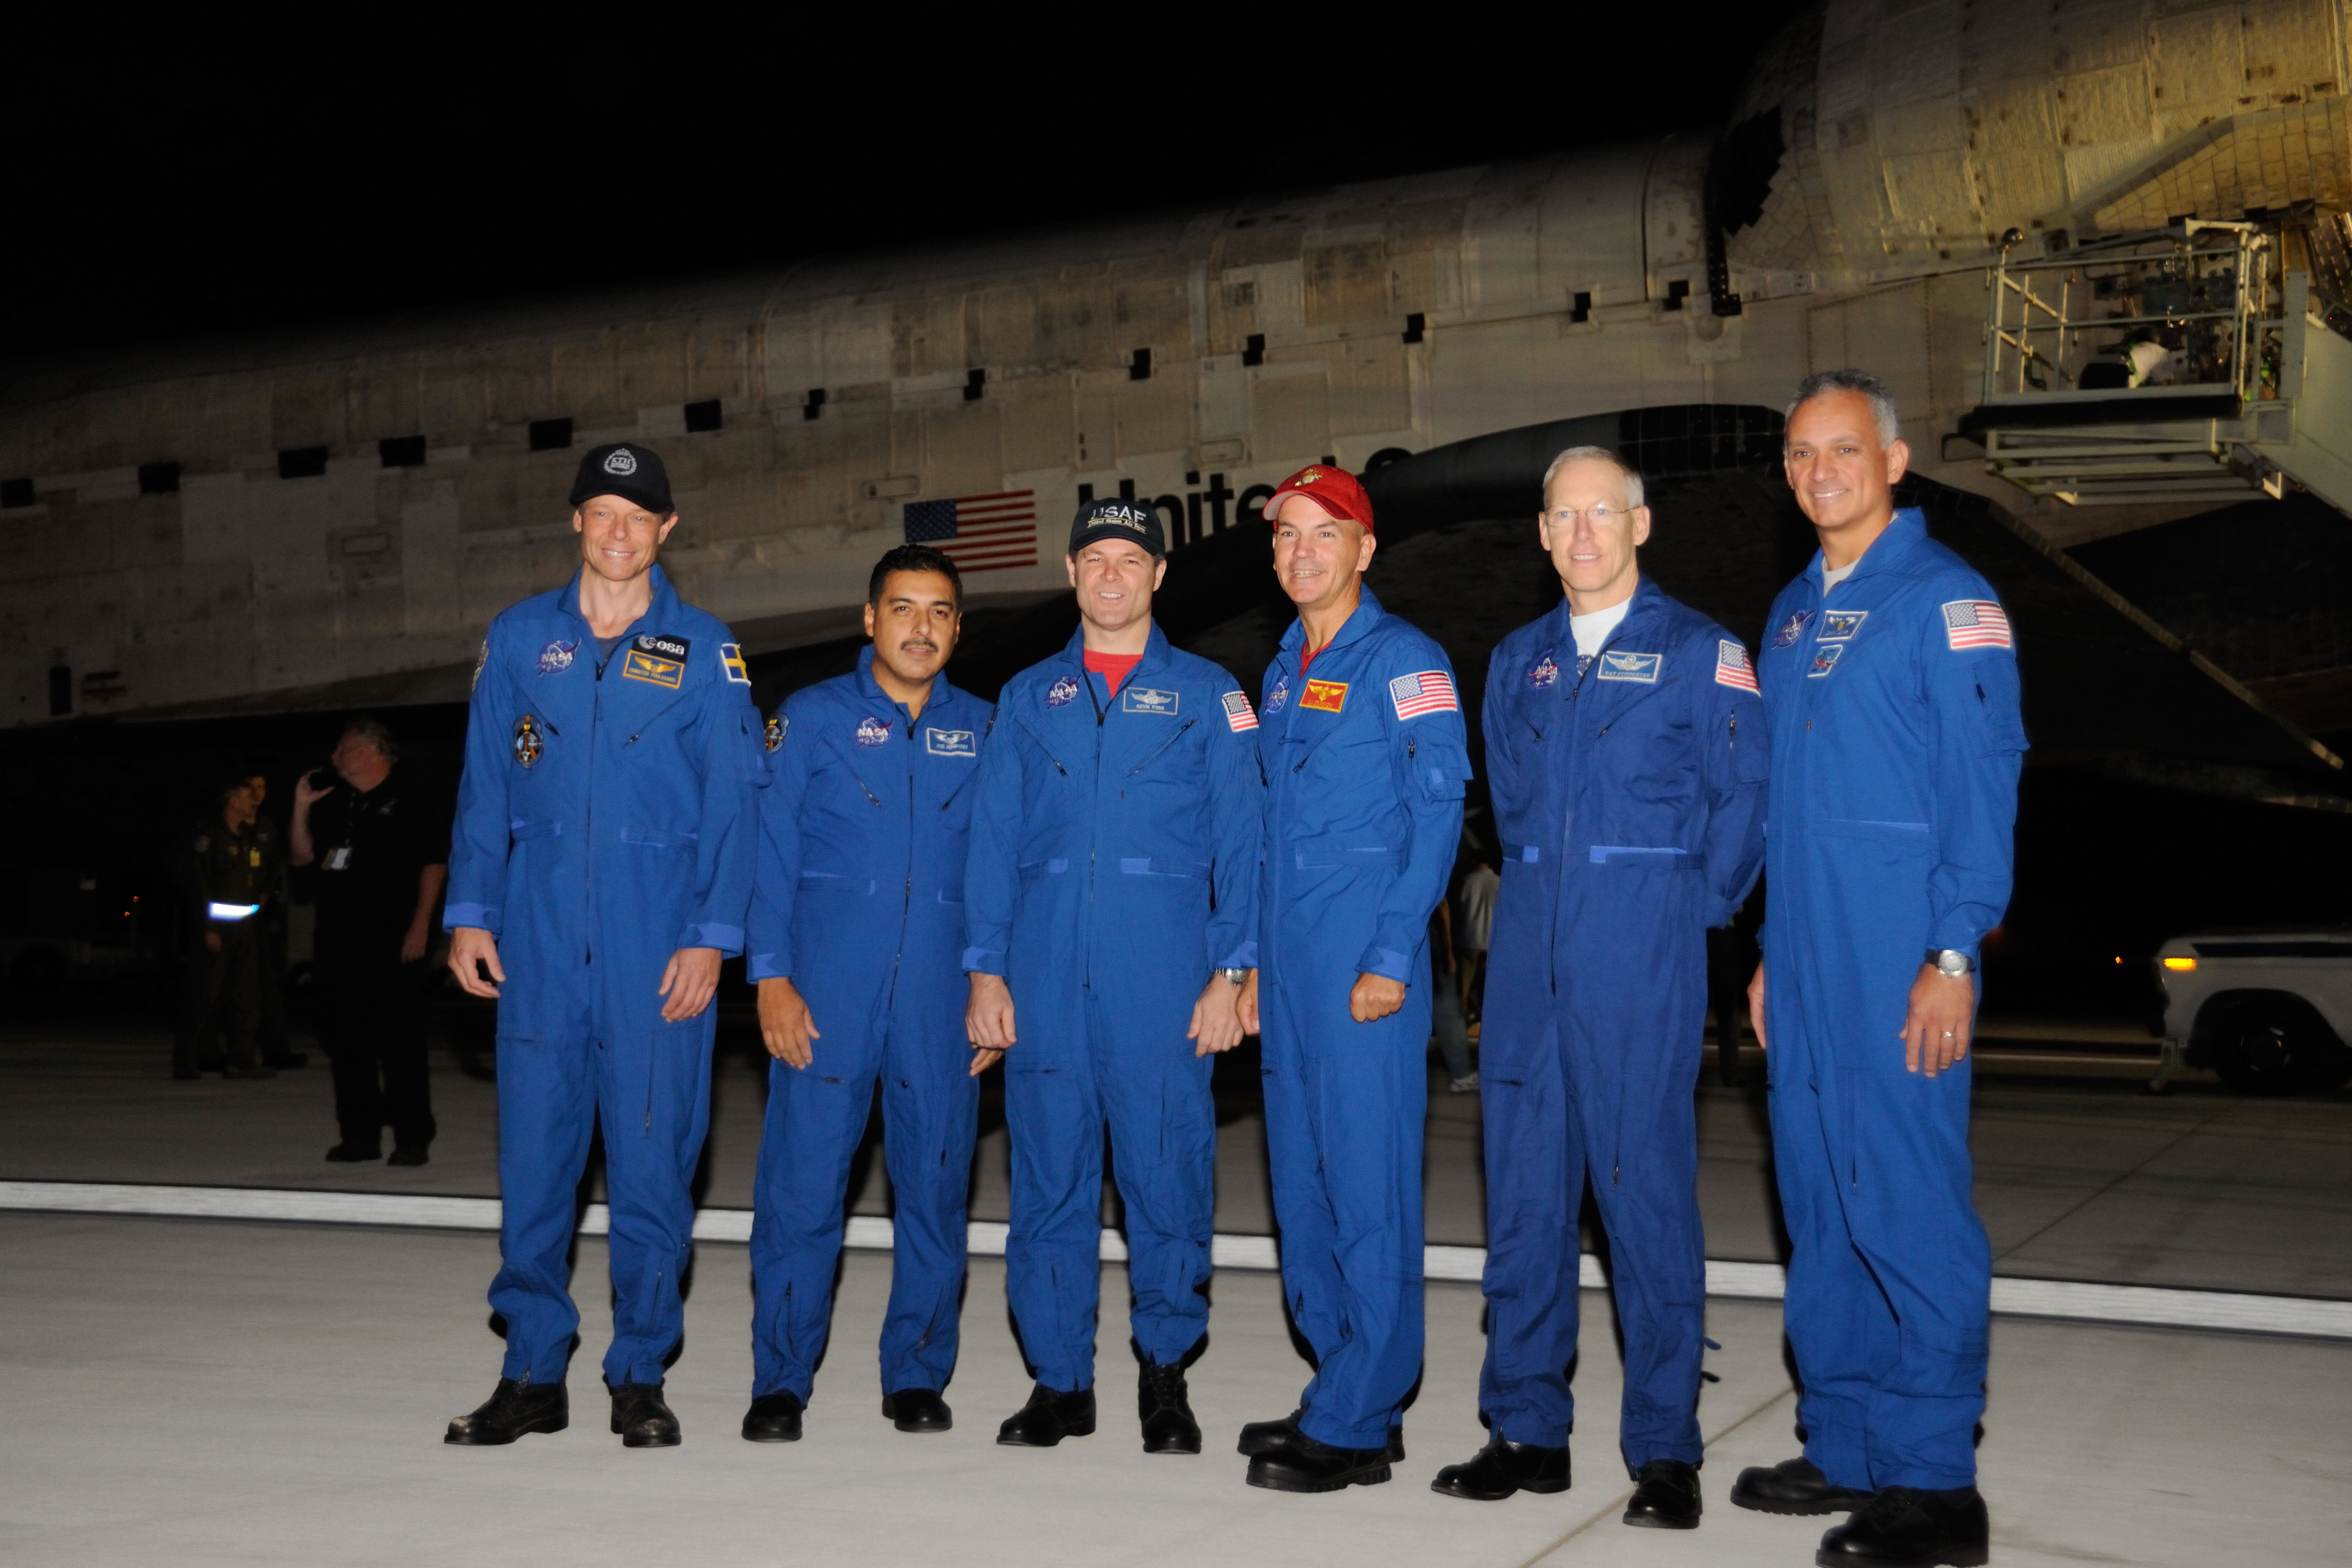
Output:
[[234, 865], [1365, 760], [601, 868], [1890, 681], [1109, 898], [857, 946], [1626, 752]]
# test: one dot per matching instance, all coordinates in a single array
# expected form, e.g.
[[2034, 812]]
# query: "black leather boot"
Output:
[[1304, 1464], [1048, 1417], [1907, 1527], [1166, 1413], [515, 1407], [1502, 1468], [1257, 1437], [918, 1410], [1665, 1496], [774, 1418], [1793, 1486], [642, 1418]]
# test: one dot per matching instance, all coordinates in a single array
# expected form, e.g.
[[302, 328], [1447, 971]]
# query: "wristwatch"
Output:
[[1950, 963], [1238, 976]]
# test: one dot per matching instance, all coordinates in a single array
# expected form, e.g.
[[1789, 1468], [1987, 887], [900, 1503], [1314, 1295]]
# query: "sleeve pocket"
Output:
[[2000, 723], [1440, 770]]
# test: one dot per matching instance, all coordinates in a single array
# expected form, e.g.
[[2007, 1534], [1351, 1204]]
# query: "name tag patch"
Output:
[[1825, 660], [1837, 626], [654, 669], [1640, 667], [872, 731], [730, 654], [1325, 696], [1146, 700], [950, 743], [1791, 629], [1063, 692]]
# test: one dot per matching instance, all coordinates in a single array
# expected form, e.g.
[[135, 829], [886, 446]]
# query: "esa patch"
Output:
[[1324, 696], [1975, 623], [556, 657], [1146, 700], [654, 669], [951, 742], [1825, 660], [1276, 699], [873, 732], [1640, 667], [730, 654], [1731, 666], [1840, 625], [1791, 629], [662, 646], [779, 726], [1424, 691], [1238, 716], [1063, 692], [1544, 672]]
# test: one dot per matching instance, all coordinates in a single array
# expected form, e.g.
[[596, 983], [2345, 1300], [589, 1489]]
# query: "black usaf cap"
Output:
[[1137, 522], [627, 471]]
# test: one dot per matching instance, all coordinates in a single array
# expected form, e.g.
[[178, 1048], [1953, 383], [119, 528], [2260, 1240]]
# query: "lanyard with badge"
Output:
[[339, 858]]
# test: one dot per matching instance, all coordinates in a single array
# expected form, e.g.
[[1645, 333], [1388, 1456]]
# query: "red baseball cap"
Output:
[[1334, 490]]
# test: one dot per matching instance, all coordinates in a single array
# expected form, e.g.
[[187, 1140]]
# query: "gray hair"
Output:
[[1632, 476], [1881, 402], [374, 733]]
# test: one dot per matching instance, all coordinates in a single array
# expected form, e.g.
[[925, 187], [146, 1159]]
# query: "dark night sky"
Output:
[[165, 186]]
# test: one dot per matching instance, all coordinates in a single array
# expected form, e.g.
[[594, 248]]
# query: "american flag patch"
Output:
[[1425, 692], [1237, 713], [980, 533], [1975, 623], [1731, 667]]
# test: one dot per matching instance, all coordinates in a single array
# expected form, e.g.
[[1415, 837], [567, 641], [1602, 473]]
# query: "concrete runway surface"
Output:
[[192, 1392]]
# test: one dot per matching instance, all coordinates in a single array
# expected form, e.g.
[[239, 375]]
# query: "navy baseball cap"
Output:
[[1137, 521], [626, 469]]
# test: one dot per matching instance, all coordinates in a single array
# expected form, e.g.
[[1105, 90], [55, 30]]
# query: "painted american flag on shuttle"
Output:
[[979, 533]]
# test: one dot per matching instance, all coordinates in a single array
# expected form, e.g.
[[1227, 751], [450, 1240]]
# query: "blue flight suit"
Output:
[[1628, 793], [1893, 701], [859, 902], [1114, 867], [1365, 762], [605, 820]]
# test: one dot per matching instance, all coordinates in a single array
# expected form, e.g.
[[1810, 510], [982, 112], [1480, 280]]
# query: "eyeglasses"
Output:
[[1599, 516]]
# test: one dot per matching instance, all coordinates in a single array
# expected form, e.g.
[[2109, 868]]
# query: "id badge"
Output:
[[339, 857], [253, 860]]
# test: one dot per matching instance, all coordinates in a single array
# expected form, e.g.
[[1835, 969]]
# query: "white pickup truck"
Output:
[[2269, 1011]]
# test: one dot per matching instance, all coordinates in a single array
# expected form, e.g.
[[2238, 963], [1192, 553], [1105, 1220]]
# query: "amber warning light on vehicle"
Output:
[[2182, 965]]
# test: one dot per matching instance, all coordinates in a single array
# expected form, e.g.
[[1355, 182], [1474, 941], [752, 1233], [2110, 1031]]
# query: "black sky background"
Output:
[[167, 185]]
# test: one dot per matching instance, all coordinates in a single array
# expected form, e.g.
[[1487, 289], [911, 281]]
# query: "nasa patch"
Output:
[[1278, 696], [1543, 673], [556, 657], [1840, 625], [950, 743], [1063, 692], [873, 732], [1791, 629], [1146, 700], [1640, 667], [1825, 660]]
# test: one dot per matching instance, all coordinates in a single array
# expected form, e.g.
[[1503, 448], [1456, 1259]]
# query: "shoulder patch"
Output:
[[1731, 666], [1424, 691], [730, 657], [1975, 623], [1640, 667], [480, 659], [1238, 716]]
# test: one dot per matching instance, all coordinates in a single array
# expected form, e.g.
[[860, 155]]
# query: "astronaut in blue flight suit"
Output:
[[1365, 759], [601, 867], [1890, 684], [1626, 752], [857, 943], [1110, 897]]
